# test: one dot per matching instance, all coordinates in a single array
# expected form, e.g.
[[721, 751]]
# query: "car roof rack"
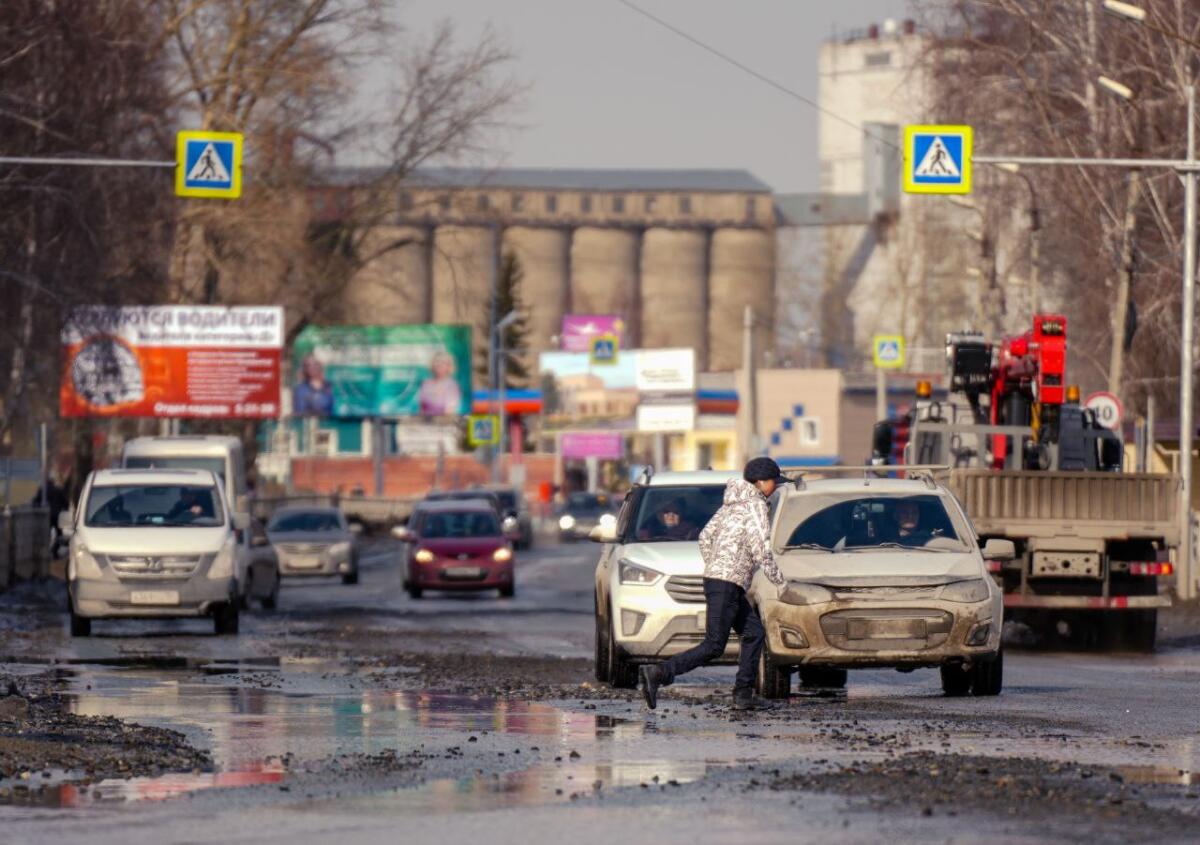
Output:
[[923, 472]]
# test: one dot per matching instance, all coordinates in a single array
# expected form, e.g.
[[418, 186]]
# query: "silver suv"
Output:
[[649, 581]]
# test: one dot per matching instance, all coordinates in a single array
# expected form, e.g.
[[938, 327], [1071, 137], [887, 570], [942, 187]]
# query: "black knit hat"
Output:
[[761, 469]]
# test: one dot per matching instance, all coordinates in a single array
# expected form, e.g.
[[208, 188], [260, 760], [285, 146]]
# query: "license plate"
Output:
[[886, 629], [305, 562], [168, 597], [463, 572]]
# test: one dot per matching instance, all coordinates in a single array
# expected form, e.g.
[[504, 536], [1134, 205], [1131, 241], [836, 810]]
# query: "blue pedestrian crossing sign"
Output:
[[483, 430], [937, 159], [887, 351], [208, 164], [605, 349]]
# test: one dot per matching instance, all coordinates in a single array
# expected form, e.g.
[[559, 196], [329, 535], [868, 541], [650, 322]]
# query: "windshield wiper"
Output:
[[891, 545], [816, 547]]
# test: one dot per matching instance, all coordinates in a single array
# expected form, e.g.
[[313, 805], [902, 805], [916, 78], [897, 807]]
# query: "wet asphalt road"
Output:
[[330, 719]]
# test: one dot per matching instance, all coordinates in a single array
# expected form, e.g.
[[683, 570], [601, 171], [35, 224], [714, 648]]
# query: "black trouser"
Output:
[[728, 608]]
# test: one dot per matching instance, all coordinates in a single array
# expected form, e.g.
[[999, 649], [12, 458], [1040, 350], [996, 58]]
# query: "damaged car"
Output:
[[881, 573]]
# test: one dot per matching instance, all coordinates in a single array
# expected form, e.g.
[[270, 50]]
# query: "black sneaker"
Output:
[[651, 681], [744, 699]]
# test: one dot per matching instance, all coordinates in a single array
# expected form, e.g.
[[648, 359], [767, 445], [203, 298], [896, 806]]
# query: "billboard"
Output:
[[382, 371], [578, 330], [172, 361], [605, 445], [666, 418], [666, 370]]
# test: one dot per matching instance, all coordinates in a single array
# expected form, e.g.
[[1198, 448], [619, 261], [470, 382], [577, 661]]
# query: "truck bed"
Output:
[[1084, 504]]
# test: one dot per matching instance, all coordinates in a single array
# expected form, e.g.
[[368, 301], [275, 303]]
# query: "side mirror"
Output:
[[603, 533], [404, 534], [66, 522], [241, 521], [999, 550], [509, 525]]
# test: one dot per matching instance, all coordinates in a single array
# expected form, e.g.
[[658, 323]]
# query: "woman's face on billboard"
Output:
[[442, 365]]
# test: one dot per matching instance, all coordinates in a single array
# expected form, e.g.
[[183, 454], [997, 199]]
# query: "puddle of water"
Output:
[[113, 792], [1157, 774]]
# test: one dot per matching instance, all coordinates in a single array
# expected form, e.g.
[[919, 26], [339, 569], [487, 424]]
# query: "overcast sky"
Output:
[[609, 88]]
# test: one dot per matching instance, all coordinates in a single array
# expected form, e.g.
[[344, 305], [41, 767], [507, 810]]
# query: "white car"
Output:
[[880, 573], [649, 581], [153, 544]]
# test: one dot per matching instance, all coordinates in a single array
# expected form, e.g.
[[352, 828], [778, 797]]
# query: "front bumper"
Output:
[[650, 625], [454, 574], [322, 564], [879, 634], [113, 598]]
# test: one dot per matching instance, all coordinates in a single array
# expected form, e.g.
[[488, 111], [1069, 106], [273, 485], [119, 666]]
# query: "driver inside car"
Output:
[[670, 523], [909, 531]]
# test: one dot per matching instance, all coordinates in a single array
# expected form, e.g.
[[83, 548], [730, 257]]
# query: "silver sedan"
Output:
[[314, 541]]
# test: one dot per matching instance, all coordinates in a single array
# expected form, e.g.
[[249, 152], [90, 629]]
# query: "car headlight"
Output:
[[802, 593], [424, 556], [966, 592], [503, 555], [339, 549], [222, 565], [84, 565], [608, 520], [632, 573], [566, 522]]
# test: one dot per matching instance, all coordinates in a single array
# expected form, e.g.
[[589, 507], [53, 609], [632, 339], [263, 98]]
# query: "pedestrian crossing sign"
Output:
[[605, 349], [208, 164], [887, 351], [483, 430], [937, 159]]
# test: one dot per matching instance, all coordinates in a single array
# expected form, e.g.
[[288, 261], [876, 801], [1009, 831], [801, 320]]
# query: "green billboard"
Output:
[[382, 371]]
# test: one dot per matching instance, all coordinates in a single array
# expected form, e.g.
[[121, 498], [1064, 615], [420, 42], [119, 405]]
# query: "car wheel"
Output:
[[773, 681], [225, 619], [622, 673], [508, 592], [415, 592], [1140, 629], [603, 645], [823, 677], [956, 681], [350, 577], [272, 601], [81, 626], [244, 595], [987, 676]]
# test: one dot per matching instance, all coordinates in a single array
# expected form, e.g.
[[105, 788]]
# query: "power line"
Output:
[[761, 77]]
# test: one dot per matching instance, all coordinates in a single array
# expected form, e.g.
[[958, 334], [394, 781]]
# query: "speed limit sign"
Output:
[[1106, 407]]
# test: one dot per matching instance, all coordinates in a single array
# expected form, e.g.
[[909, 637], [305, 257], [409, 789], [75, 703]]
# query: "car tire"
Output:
[[823, 677], [956, 681], [773, 681], [226, 619], [1140, 629], [603, 645], [350, 577], [81, 626], [987, 676], [414, 592], [272, 601], [243, 600], [622, 673], [508, 592]]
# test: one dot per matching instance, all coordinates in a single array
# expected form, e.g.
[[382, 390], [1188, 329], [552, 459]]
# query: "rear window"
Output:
[[306, 521], [842, 522], [588, 503], [131, 506], [673, 514], [457, 524], [216, 465]]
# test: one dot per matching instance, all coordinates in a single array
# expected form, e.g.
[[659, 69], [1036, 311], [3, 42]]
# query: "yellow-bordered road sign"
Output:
[[887, 351], [937, 159], [483, 429], [208, 164], [605, 348]]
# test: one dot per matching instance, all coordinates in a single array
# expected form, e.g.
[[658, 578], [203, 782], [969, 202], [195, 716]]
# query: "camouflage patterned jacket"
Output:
[[736, 540]]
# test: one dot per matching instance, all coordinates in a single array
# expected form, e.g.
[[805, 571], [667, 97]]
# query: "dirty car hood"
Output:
[[889, 567], [668, 557]]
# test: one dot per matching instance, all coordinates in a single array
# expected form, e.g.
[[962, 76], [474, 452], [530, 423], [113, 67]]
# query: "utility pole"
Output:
[[750, 448], [1186, 583]]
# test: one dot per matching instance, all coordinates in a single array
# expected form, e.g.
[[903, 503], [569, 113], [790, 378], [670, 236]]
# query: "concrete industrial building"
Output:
[[678, 254]]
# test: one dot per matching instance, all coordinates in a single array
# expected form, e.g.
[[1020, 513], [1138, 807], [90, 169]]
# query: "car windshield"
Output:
[[673, 514], [306, 521], [130, 505], [587, 503], [446, 525], [216, 465], [856, 523]]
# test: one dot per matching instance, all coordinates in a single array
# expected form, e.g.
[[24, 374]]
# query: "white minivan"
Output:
[[152, 544]]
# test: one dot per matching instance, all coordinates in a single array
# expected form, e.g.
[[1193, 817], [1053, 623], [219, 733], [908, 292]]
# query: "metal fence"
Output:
[[24, 544]]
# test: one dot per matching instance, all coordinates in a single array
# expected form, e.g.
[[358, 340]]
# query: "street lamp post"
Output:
[[501, 389]]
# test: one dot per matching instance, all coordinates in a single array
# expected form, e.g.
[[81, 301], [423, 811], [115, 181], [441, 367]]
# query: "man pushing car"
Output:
[[733, 545]]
